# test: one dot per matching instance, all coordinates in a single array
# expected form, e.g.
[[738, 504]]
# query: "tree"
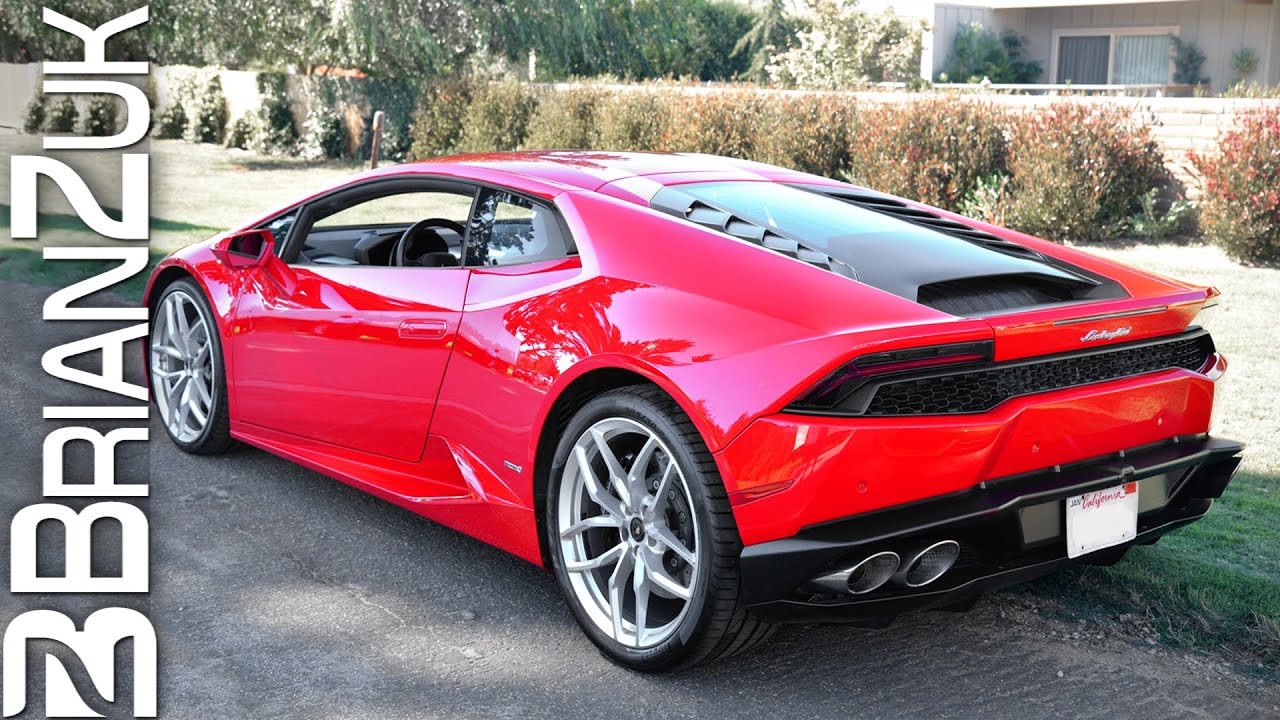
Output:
[[846, 46], [772, 32]]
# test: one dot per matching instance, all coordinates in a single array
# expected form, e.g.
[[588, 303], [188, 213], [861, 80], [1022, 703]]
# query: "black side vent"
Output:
[[674, 202], [983, 295], [914, 215]]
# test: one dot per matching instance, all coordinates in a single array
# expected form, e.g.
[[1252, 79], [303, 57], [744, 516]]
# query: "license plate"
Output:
[[1102, 518]]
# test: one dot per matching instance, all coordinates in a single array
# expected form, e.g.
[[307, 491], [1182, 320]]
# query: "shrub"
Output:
[[271, 125], [936, 150], [498, 118], [322, 135], [977, 53], [635, 121], [1079, 170], [209, 114], [1188, 58], [720, 123], [35, 113], [240, 132], [170, 123], [988, 200], [100, 117], [811, 133], [1240, 209], [63, 116], [437, 121], [1154, 222], [566, 120]]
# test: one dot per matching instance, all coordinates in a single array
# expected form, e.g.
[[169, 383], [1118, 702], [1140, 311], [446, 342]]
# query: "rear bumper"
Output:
[[1005, 529]]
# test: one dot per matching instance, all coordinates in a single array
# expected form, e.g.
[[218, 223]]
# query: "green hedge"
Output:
[[1071, 170]]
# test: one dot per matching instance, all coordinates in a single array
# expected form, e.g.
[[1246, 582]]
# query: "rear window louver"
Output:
[[924, 218], [677, 203]]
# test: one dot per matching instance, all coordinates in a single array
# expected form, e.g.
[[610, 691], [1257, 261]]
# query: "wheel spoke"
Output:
[[604, 559], [599, 495], [669, 539], [640, 586], [197, 413], [664, 486], [617, 581], [169, 350], [617, 476], [183, 326], [635, 478], [185, 403], [597, 521], [663, 580], [206, 395], [171, 322]]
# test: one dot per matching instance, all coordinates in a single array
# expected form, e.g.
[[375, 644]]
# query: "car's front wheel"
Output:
[[641, 535], [188, 380]]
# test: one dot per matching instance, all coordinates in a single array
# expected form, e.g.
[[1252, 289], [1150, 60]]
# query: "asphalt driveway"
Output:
[[278, 592]]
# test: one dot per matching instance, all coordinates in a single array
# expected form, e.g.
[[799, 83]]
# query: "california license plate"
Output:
[[1102, 518]]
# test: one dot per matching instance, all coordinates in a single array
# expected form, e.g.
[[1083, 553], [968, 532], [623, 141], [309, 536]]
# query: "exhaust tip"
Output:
[[865, 576], [927, 564], [873, 572]]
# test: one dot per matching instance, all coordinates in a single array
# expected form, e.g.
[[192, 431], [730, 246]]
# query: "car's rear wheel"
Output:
[[641, 536], [188, 380]]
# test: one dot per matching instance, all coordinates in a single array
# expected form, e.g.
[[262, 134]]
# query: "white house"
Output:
[[1113, 41]]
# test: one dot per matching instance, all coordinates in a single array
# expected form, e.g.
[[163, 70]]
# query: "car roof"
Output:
[[593, 169]]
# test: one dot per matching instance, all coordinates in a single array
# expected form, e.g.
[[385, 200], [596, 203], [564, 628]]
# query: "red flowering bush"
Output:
[[719, 123], [936, 149], [1240, 209], [810, 132], [1079, 170]]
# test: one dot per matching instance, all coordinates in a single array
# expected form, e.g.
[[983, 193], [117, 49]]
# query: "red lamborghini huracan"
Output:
[[710, 395]]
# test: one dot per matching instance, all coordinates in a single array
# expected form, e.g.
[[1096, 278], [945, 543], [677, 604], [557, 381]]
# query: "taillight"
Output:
[[846, 391]]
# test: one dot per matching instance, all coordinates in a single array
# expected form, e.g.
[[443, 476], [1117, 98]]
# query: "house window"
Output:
[[1130, 56]]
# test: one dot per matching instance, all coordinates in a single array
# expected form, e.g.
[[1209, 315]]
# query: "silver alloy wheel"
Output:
[[182, 374], [628, 533]]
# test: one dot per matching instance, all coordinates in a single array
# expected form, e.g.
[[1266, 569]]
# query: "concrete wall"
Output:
[[1218, 27]]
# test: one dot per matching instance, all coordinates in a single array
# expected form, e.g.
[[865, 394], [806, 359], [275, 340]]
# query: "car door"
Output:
[[352, 354]]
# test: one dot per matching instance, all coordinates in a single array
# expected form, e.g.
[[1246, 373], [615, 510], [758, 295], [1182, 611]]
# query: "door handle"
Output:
[[423, 329]]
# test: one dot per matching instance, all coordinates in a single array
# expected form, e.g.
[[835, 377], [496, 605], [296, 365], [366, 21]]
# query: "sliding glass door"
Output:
[[1114, 57]]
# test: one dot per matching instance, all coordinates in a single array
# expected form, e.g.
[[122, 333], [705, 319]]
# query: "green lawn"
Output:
[[196, 190], [1214, 585]]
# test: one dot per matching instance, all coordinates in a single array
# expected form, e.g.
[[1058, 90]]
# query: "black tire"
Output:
[[216, 435], [716, 623]]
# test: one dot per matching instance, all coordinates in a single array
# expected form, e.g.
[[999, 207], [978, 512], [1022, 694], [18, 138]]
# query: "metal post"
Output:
[[378, 118]]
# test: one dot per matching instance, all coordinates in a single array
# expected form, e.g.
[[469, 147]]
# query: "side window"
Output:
[[508, 230], [400, 209], [387, 227], [279, 228]]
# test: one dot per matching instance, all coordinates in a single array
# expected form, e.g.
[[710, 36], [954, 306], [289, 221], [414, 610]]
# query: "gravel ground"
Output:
[[277, 592]]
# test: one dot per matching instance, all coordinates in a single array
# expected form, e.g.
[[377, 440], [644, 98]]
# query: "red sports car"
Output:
[[709, 395]]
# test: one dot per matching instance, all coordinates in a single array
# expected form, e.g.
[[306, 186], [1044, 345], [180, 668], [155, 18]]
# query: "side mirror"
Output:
[[245, 249]]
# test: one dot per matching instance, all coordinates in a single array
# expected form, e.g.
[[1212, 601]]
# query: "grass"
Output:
[[196, 190], [1212, 586], [26, 265]]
